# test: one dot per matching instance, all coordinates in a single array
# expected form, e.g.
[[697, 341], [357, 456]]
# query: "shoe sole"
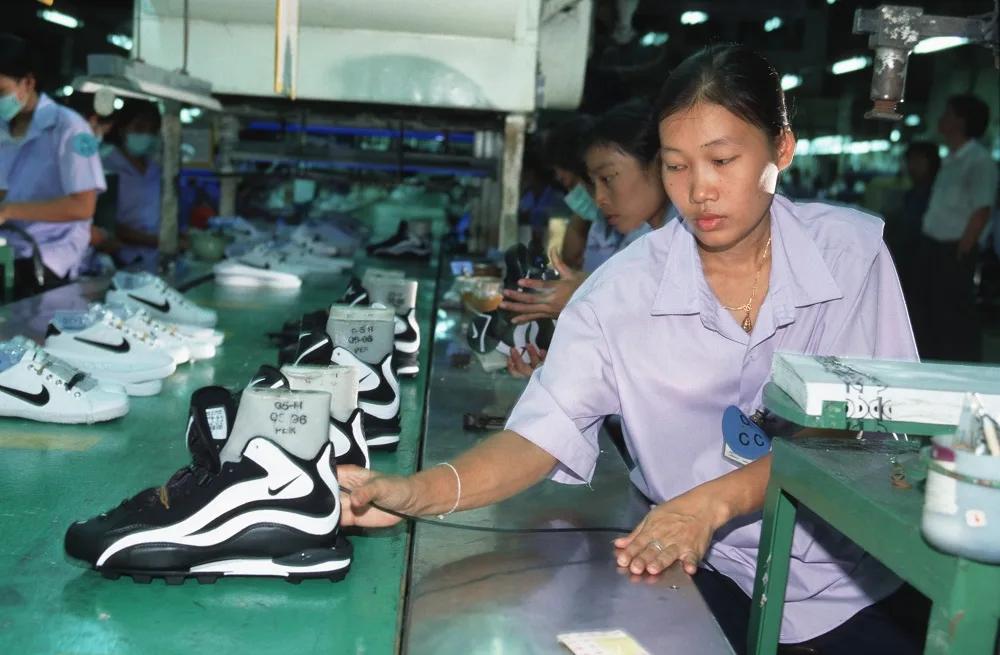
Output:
[[142, 389], [71, 419], [255, 283], [331, 564], [408, 371], [384, 443]]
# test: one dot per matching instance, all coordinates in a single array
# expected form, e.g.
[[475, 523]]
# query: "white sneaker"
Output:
[[312, 258], [207, 335], [165, 334], [119, 315], [145, 291], [260, 267], [95, 342], [36, 386]]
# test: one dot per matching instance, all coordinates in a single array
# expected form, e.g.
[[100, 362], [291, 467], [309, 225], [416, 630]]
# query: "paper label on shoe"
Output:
[[613, 642], [216, 417]]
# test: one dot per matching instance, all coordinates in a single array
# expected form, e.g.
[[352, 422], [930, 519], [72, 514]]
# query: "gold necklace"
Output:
[[746, 323]]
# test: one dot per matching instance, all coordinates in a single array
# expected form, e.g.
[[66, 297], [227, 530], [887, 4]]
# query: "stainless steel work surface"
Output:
[[479, 592]]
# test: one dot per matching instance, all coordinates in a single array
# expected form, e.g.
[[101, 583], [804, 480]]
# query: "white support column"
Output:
[[227, 129], [513, 154], [171, 164]]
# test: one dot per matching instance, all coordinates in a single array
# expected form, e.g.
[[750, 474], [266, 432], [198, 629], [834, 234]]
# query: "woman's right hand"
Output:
[[390, 491]]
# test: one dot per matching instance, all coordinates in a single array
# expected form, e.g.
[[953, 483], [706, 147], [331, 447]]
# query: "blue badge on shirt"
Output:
[[744, 441], [85, 145]]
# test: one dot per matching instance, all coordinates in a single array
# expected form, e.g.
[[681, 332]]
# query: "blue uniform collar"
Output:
[[799, 274], [45, 116]]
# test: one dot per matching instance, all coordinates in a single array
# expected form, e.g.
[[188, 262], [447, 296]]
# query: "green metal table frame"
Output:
[[848, 484]]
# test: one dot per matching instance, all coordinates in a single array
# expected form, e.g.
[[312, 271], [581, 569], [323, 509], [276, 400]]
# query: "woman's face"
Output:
[[720, 172], [626, 192]]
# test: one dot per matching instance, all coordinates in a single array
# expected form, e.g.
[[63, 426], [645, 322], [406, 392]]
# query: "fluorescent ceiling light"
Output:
[[195, 112], [66, 91], [120, 40], [772, 24], [654, 38], [850, 65], [693, 17], [59, 18], [789, 82], [186, 117], [134, 79], [936, 43], [830, 2], [119, 103], [912, 120], [942, 151], [894, 136]]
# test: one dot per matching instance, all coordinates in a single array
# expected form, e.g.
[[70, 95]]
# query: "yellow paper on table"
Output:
[[613, 642]]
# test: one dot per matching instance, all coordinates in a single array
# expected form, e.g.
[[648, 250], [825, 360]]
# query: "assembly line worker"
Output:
[[101, 241], [945, 315], [621, 155], [135, 141], [672, 331], [564, 148], [50, 174]]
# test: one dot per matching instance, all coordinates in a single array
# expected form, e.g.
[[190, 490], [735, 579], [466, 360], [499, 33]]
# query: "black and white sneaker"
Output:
[[347, 437], [406, 345], [378, 388], [402, 245], [354, 295], [268, 513], [490, 332]]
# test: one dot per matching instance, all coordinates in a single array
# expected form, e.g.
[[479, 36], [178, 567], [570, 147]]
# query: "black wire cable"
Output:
[[479, 528]]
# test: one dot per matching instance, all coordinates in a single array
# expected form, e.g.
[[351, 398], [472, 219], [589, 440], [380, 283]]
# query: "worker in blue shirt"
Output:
[[50, 175], [135, 145]]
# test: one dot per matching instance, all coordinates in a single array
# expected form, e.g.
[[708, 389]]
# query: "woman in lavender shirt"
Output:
[[672, 331]]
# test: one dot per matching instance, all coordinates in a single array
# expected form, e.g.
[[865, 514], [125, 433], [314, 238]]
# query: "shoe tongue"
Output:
[[314, 348], [210, 422], [268, 377]]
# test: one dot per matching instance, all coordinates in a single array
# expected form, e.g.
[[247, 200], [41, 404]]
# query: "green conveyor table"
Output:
[[52, 475], [849, 484]]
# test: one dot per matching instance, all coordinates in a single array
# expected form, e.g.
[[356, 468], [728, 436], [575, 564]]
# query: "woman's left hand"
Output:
[[516, 365], [678, 530], [544, 299]]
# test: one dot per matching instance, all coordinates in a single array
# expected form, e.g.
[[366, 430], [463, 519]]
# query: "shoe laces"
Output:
[[64, 376], [172, 294]]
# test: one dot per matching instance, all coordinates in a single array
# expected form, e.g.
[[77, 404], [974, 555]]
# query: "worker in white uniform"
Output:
[[136, 142], [945, 316], [50, 175]]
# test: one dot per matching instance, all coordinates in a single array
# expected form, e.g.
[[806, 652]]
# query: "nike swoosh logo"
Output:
[[122, 347], [475, 331], [165, 307], [39, 399], [275, 492]]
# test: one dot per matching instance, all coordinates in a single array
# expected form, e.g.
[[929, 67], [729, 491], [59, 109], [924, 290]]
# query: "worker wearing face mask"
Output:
[[50, 176], [136, 143]]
